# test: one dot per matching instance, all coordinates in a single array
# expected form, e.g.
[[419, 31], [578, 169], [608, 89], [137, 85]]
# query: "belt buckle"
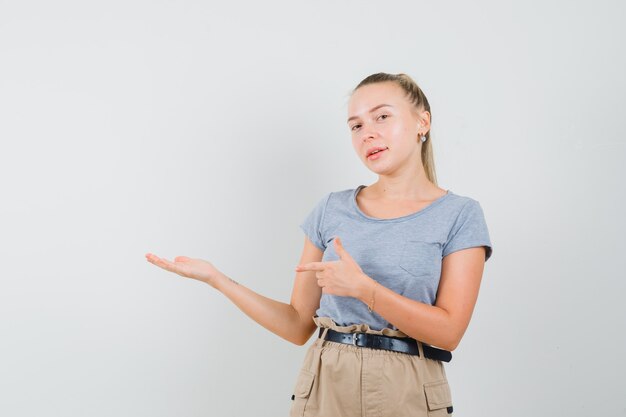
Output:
[[354, 339]]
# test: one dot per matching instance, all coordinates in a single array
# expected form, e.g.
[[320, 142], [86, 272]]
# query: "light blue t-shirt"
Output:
[[403, 253]]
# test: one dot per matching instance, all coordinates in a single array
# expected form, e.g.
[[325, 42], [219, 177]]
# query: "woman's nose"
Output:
[[368, 132]]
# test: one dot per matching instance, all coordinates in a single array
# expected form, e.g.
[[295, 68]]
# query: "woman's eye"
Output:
[[355, 126], [385, 115]]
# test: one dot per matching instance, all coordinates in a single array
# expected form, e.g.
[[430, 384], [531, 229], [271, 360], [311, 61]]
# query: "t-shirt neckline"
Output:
[[355, 206]]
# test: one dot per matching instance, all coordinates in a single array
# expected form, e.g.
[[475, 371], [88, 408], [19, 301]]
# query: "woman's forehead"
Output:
[[371, 95]]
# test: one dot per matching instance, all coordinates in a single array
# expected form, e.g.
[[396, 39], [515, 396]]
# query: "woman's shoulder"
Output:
[[342, 194], [453, 205], [461, 207], [460, 199]]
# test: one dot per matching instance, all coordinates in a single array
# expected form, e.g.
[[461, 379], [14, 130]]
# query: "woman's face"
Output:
[[381, 116]]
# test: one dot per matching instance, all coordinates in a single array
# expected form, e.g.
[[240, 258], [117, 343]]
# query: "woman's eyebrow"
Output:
[[371, 110]]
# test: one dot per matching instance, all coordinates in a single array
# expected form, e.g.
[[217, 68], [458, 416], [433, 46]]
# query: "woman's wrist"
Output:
[[367, 291], [220, 281]]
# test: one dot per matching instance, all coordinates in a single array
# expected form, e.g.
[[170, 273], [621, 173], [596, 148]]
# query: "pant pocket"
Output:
[[438, 398], [302, 390]]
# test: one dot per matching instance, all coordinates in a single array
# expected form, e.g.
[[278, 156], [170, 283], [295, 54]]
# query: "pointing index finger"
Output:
[[311, 266]]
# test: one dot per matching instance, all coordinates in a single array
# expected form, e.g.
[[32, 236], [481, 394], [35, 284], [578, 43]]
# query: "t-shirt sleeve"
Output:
[[312, 224], [469, 230]]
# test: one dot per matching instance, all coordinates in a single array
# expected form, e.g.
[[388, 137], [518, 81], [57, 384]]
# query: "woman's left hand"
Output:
[[343, 277]]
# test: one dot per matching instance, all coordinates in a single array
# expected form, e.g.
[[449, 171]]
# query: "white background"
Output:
[[210, 129]]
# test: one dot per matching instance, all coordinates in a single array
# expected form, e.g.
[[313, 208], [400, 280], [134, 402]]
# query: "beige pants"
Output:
[[340, 380]]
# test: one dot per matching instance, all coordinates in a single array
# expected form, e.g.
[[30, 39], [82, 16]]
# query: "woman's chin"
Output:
[[381, 169]]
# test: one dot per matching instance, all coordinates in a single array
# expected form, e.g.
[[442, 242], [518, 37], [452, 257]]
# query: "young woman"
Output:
[[389, 273]]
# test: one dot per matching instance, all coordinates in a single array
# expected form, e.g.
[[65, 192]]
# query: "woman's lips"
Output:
[[376, 155]]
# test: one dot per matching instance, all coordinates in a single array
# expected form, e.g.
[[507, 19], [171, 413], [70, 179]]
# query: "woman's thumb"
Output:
[[182, 259]]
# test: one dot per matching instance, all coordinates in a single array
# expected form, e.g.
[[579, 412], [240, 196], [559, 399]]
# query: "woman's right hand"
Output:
[[188, 267]]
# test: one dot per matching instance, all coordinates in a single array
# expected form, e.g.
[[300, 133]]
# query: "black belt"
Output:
[[396, 344]]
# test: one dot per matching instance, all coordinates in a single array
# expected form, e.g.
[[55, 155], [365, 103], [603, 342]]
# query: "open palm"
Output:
[[187, 267]]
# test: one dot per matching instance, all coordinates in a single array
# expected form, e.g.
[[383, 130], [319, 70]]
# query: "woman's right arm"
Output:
[[292, 322]]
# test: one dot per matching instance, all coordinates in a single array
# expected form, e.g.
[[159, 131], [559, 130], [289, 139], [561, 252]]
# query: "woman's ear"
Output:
[[424, 122]]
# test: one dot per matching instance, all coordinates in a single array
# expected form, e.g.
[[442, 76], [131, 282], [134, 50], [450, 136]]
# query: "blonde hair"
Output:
[[417, 97]]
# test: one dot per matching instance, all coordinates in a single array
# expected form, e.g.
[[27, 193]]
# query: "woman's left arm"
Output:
[[444, 323], [441, 325]]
